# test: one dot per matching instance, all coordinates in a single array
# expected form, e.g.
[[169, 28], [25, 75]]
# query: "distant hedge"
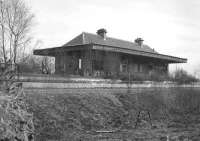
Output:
[[182, 77]]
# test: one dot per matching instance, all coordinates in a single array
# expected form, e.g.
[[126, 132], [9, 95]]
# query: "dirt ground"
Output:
[[150, 114]]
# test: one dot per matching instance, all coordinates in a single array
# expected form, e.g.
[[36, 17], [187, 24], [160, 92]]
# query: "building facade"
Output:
[[100, 56]]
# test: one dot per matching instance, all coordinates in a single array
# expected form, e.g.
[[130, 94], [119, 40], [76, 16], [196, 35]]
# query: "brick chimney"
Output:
[[102, 32], [139, 41]]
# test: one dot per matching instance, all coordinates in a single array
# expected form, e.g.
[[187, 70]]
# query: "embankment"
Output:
[[110, 114]]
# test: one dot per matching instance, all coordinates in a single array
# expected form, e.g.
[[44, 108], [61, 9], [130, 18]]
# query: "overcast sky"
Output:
[[171, 27]]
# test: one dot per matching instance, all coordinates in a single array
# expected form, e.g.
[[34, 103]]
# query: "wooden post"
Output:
[[91, 62]]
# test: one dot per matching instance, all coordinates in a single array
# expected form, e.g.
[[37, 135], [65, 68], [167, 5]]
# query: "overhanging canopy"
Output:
[[60, 50]]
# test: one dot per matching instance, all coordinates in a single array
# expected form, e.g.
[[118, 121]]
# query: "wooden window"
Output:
[[124, 66], [140, 68]]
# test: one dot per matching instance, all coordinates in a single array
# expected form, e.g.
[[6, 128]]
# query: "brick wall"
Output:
[[68, 63], [112, 63]]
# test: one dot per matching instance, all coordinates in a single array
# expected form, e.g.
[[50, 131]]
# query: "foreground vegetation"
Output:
[[179, 76], [16, 122], [100, 115]]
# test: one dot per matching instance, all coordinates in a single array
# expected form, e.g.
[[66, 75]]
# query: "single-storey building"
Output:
[[98, 55]]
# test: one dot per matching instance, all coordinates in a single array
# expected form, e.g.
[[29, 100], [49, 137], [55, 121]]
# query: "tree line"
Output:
[[16, 21]]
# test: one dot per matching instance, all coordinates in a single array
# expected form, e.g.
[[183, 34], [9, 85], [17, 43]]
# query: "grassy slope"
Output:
[[74, 115]]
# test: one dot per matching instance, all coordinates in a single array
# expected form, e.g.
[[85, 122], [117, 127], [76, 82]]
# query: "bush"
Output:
[[16, 121], [146, 77], [182, 77], [38, 65], [29, 65], [159, 77]]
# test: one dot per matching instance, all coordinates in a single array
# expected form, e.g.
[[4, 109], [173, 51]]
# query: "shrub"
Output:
[[29, 65], [182, 77], [16, 121], [146, 77], [38, 65], [159, 77]]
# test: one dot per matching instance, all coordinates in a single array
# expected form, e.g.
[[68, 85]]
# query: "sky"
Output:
[[171, 27]]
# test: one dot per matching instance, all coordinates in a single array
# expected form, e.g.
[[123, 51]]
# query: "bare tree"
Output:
[[16, 23], [2, 30]]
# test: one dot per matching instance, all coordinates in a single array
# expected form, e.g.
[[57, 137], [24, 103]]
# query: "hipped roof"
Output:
[[84, 39]]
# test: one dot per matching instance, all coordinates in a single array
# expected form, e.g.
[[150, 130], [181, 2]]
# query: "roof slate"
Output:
[[89, 38]]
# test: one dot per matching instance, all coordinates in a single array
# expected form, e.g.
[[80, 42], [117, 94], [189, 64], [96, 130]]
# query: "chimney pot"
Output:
[[139, 41], [102, 32]]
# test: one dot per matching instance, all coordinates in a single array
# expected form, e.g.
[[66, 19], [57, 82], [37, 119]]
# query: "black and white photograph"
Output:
[[99, 70]]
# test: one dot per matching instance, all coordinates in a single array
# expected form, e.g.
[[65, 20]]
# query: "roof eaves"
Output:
[[183, 60]]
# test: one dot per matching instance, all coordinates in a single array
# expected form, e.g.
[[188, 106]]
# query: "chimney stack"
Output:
[[102, 32], [139, 41]]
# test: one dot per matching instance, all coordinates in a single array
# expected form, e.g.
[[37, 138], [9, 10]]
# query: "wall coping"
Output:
[[81, 85]]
